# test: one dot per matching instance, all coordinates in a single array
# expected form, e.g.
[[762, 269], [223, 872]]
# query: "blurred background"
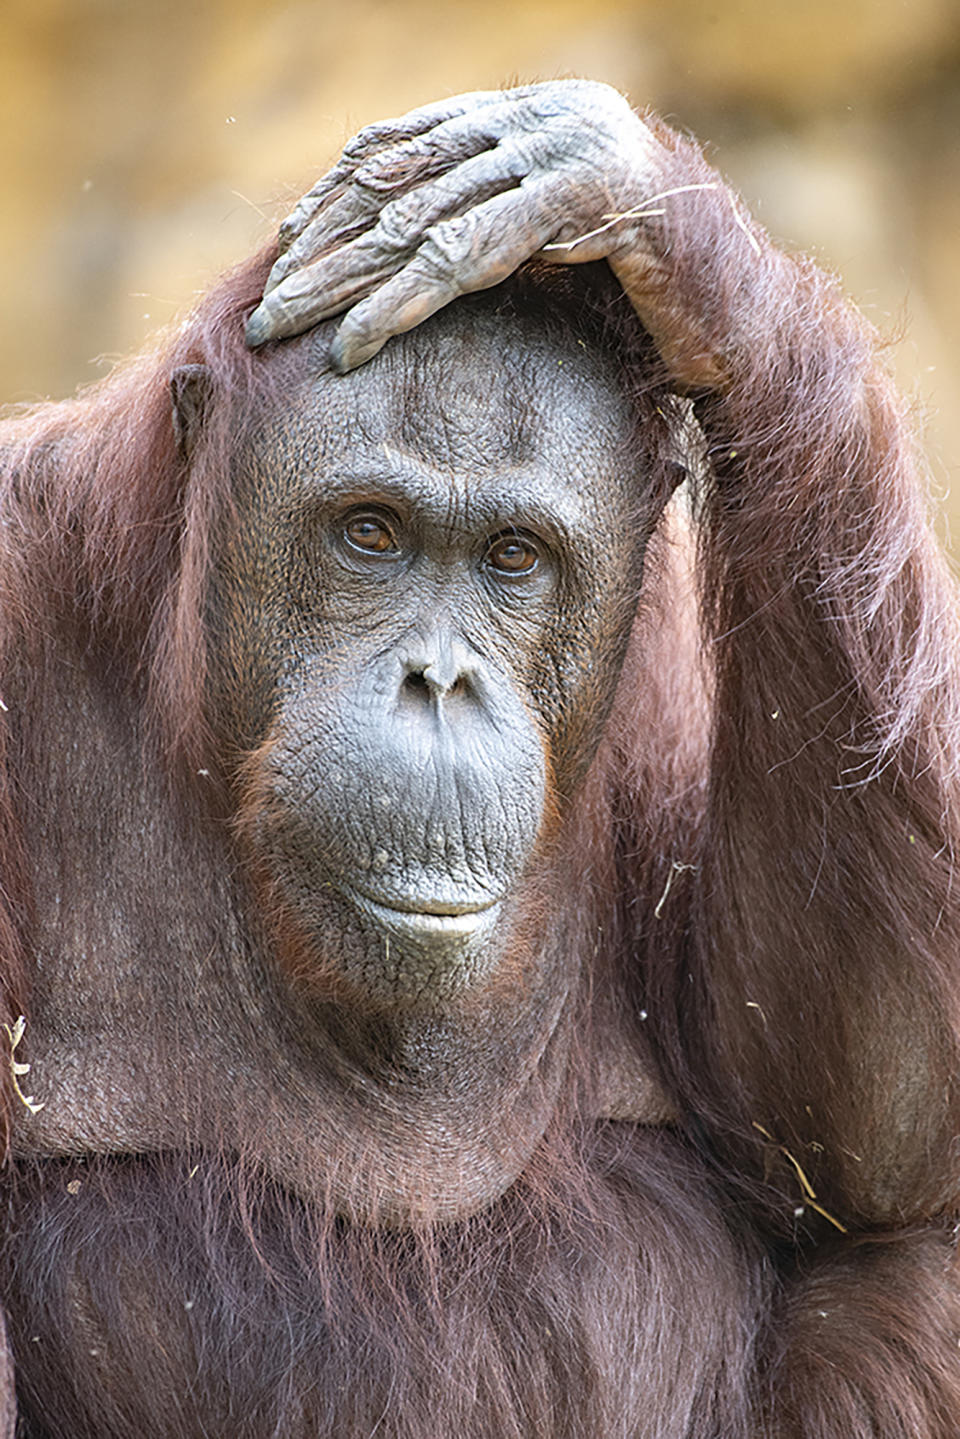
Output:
[[148, 146]]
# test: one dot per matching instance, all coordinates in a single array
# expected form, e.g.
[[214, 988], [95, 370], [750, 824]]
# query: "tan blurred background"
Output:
[[148, 146]]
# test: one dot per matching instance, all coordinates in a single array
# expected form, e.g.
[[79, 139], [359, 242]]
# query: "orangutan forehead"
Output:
[[469, 389]]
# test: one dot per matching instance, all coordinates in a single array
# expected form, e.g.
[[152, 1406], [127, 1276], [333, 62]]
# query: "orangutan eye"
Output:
[[372, 534], [512, 554]]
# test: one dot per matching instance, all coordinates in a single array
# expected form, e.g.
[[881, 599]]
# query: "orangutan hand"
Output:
[[454, 197]]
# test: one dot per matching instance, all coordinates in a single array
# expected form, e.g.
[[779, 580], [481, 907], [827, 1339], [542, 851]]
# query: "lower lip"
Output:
[[429, 926]]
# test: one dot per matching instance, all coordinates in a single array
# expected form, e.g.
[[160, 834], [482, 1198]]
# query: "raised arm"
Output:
[[814, 1000]]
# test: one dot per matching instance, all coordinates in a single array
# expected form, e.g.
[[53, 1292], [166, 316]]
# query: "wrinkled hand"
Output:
[[454, 197]]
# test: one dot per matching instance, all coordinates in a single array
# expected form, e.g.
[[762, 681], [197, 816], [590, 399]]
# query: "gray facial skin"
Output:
[[445, 551], [423, 579]]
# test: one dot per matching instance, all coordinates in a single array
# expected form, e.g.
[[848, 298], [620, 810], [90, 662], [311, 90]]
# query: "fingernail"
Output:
[[258, 328], [338, 355], [289, 228], [349, 354]]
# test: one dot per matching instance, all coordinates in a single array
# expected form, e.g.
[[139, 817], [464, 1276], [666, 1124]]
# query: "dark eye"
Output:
[[512, 555], [372, 534]]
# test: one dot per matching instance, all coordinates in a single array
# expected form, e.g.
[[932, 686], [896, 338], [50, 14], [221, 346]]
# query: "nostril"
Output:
[[422, 683], [416, 682]]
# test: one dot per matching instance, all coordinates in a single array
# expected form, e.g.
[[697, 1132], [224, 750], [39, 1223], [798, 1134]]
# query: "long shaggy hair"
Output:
[[770, 825]]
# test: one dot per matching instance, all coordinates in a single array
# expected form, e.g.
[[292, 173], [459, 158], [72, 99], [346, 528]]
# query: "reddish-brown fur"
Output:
[[773, 824]]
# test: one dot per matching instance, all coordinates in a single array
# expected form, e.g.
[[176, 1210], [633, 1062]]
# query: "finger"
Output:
[[348, 198], [328, 285], [446, 145], [415, 122], [469, 252], [307, 206], [310, 243], [315, 292], [403, 220], [350, 206], [472, 106], [376, 137]]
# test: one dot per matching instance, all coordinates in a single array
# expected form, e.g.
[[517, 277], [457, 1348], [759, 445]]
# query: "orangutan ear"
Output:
[[190, 389]]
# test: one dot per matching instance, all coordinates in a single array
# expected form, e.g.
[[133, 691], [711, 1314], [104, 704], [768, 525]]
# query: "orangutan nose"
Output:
[[439, 668]]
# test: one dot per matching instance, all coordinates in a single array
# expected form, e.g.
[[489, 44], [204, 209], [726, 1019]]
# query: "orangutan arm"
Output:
[[813, 1015]]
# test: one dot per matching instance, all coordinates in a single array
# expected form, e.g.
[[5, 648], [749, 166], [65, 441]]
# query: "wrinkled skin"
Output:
[[454, 197], [451, 198], [406, 719], [459, 594], [543, 1017]]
